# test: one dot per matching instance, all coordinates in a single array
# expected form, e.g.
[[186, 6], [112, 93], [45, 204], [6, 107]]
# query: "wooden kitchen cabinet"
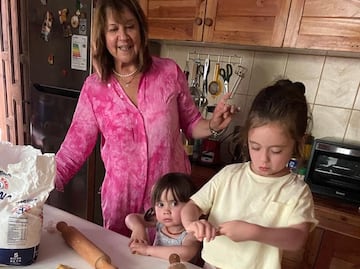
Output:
[[309, 24], [174, 20], [335, 243], [338, 251], [324, 24], [246, 22]]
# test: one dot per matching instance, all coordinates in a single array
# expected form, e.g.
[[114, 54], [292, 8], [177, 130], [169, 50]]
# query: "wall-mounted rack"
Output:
[[214, 58]]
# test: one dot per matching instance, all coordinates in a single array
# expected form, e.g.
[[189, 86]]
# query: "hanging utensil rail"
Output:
[[215, 58]]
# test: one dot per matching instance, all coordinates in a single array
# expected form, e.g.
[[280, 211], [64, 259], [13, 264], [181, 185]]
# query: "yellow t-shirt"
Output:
[[236, 193]]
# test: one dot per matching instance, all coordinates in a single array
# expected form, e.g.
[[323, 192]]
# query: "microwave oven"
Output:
[[334, 169]]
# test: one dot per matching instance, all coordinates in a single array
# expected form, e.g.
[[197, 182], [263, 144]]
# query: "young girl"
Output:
[[169, 195], [258, 208]]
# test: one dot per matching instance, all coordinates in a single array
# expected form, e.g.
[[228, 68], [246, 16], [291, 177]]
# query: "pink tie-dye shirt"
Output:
[[139, 144]]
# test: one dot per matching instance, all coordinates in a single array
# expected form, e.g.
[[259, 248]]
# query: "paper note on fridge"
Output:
[[79, 52]]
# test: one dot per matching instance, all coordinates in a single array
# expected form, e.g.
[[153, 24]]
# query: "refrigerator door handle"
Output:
[[57, 90]]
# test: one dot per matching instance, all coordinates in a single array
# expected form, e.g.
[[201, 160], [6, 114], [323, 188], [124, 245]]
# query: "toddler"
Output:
[[169, 195]]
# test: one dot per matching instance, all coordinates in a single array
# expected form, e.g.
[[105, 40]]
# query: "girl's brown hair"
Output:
[[103, 61], [180, 185], [283, 102]]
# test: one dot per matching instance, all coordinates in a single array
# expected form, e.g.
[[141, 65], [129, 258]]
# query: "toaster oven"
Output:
[[334, 169]]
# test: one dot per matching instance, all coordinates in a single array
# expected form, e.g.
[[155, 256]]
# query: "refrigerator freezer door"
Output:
[[59, 61], [52, 111]]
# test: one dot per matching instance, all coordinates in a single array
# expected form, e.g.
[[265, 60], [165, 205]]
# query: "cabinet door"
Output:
[[305, 257], [338, 252], [246, 22], [320, 24], [175, 19]]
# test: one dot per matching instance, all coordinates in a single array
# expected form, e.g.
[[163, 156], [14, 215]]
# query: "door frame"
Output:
[[14, 73]]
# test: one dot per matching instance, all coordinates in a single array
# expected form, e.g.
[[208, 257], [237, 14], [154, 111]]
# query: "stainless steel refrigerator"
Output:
[[59, 51]]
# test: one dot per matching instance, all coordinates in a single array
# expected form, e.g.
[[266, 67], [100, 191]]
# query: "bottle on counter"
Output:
[[189, 147], [301, 167], [196, 150], [188, 144]]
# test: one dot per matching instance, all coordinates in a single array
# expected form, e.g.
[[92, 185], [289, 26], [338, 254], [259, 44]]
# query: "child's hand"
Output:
[[238, 230], [138, 247], [202, 229], [139, 235]]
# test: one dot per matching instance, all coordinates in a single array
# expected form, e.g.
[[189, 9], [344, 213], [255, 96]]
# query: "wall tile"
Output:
[[267, 68], [179, 54], [332, 84], [353, 131], [339, 82], [240, 101], [306, 69], [329, 121]]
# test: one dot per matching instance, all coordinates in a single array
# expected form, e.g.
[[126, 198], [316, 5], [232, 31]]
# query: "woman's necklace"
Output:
[[177, 233], [125, 75], [121, 77]]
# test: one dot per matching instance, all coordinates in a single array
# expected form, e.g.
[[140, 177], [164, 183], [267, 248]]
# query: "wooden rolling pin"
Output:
[[174, 260], [84, 247]]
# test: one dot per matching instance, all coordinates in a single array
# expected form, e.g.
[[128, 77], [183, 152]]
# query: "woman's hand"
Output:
[[222, 114], [202, 229]]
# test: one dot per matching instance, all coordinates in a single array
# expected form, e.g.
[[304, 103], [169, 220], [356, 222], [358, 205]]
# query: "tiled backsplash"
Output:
[[332, 84]]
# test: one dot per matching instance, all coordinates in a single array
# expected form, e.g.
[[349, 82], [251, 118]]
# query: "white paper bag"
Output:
[[26, 178]]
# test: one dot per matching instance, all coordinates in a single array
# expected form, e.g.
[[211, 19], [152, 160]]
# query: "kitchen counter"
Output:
[[54, 251]]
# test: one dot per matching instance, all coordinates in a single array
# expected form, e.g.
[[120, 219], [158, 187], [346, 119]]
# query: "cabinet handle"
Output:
[[260, 3], [198, 21], [208, 21]]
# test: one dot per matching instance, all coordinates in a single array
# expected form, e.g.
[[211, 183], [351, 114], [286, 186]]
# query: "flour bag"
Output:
[[26, 179]]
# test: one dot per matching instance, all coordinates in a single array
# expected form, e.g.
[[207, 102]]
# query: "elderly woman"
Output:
[[138, 104]]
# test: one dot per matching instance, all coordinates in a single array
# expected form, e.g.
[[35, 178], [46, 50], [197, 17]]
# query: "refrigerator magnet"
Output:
[[63, 14], [47, 25], [74, 21], [82, 26], [63, 18], [50, 59]]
